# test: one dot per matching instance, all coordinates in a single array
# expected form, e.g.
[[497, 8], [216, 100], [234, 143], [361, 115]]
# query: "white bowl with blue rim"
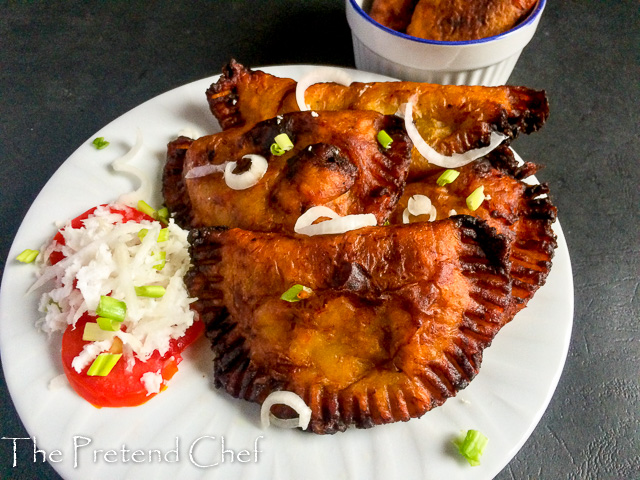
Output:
[[486, 61]]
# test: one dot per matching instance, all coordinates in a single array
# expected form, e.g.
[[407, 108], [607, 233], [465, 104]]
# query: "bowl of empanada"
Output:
[[459, 42]]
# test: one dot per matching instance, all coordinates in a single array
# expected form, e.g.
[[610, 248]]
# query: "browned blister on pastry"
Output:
[[336, 161], [451, 118], [396, 322], [393, 14], [521, 212], [458, 20]]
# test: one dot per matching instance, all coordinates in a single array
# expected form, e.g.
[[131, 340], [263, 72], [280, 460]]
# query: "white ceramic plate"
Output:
[[191, 430]]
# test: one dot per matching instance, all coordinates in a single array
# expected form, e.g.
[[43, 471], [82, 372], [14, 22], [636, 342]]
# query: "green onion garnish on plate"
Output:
[[108, 324], [475, 199], [147, 209], [296, 293], [162, 215], [100, 143], [103, 364], [163, 236], [111, 308], [27, 256], [282, 143], [161, 258], [448, 176], [93, 333], [384, 139], [472, 446], [151, 291]]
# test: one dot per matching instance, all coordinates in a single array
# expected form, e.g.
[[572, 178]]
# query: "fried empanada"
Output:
[[393, 14], [451, 118], [521, 212], [396, 322], [458, 20], [336, 161]]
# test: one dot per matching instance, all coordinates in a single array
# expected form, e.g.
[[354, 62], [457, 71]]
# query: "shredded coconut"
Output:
[[108, 258], [152, 382]]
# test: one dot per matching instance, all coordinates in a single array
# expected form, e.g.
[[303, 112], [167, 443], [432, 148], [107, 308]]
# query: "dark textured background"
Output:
[[69, 68]]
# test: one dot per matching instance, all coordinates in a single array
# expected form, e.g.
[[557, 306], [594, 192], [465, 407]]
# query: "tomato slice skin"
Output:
[[122, 387]]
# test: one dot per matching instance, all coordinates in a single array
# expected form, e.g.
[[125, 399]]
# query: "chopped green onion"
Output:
[[475, 199], [93, 333], [143, 233], [448, 176], [108, 324], [100, 143], [296, 293], [27, 256], [151, 291], [282, 144], [144, 207], [112, 308], [163, 236], [472, 446], [103, 364], [384, 139], [163, 215], [161, 257]]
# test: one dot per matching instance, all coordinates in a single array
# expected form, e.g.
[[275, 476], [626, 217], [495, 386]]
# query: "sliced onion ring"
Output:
[[122, 165], [311, 215], [433, 214], [305, 226], [319, 75], [204, 170], [248, 178], [419, 205], [289, 399], [457, 159]]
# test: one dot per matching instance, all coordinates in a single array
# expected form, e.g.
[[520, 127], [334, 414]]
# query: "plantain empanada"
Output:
[[336, 161], [451, 118], [521, 212], [459, 20], [396, 322], [393, 14]]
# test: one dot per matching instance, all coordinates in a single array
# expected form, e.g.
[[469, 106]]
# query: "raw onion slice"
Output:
[[311, 215], [122, 165], [457, 159], [305, 226], [319, 75], [248, 178], [289, 399], [204, 170], [419, 205]]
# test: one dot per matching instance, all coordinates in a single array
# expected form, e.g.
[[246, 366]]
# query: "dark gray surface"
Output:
[[69, 68]]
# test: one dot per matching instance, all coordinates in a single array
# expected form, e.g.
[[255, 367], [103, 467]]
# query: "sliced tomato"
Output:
[[128, 214], [122, 387]]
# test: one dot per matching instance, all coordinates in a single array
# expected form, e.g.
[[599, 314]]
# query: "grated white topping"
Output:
[[89, 353], [104, 257], [152, 382]]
